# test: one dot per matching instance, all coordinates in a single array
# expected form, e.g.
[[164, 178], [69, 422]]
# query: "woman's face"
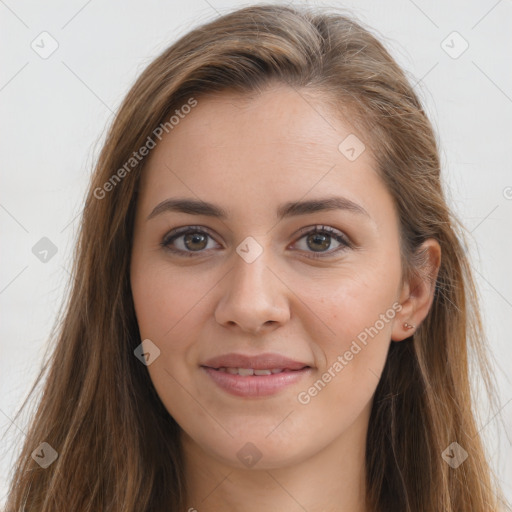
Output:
[[260, 281]]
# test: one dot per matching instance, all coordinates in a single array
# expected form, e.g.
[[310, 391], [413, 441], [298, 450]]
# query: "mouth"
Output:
[[254, 376], [247, 372]]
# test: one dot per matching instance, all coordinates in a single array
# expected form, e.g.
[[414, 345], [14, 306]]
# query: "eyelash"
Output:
[[339, 237]]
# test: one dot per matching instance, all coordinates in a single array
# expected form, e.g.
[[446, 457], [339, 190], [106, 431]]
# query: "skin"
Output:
[[250, 154]]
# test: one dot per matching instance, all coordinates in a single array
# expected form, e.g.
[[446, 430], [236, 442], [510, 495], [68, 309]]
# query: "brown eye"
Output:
[[187, 241], [195, 241], [319, 240]]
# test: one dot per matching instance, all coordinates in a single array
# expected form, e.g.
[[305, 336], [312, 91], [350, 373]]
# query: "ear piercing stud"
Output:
[[409, 326]]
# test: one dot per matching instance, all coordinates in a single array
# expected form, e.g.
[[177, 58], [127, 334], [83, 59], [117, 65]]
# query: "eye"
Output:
[[191, 240], [320, 238]]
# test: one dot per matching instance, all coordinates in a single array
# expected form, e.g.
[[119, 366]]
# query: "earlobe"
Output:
[[418, 293], [402, 331]]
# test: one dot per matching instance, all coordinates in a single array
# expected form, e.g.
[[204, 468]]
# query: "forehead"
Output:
[[279, 116], [277, 143]]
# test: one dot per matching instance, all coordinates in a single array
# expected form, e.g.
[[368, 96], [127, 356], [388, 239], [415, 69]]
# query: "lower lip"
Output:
[[256, 385]]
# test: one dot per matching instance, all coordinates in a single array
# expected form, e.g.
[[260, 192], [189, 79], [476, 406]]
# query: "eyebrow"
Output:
[[290, 209]]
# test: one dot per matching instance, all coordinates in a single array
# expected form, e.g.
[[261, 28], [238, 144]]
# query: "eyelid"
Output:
[[320, 228]]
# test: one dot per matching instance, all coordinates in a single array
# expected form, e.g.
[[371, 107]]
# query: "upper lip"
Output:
[[257, 362]]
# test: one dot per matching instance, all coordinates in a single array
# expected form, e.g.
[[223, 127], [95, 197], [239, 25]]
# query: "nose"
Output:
[[253, 297]]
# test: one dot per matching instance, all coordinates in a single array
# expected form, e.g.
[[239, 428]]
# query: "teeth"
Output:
[[245, 372], [262, 372]]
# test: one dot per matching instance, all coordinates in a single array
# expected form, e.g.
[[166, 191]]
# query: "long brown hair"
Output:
[[118, 447]]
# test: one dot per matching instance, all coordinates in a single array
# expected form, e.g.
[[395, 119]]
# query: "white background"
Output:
[[54, 112]]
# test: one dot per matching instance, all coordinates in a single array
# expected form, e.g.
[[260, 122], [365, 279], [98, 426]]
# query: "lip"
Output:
[[257, 362], [260, 385], [256, 386]]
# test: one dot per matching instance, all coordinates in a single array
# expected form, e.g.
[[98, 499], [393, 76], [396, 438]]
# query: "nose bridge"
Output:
[[252, 294], [249, 273]]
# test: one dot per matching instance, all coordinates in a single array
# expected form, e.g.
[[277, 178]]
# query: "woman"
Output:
[[272, 308]]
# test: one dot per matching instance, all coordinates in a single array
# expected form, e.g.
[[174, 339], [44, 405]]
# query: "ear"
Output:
[[417, 293]]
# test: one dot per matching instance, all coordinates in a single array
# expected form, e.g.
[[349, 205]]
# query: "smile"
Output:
[[248, 382]]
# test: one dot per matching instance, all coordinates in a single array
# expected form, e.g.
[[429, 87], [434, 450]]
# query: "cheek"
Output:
[[164, 299], [171, 307], [355, 303], [360, 311], [165, 303]]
